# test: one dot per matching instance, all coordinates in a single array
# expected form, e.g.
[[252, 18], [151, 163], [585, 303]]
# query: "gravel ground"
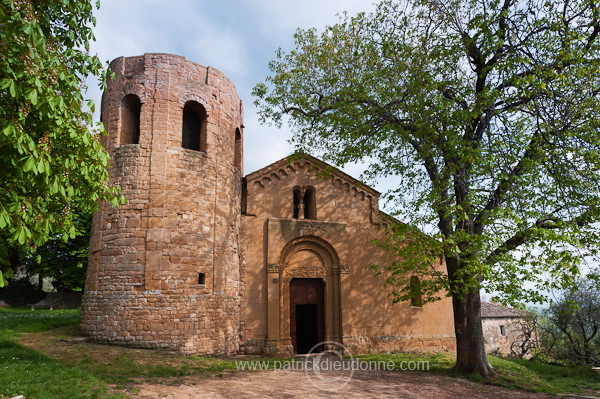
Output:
[[331, 384]]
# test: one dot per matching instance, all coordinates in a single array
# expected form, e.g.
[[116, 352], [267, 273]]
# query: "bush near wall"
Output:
[[21, 292]]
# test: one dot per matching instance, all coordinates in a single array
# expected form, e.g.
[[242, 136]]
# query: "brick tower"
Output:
[[166, 269]]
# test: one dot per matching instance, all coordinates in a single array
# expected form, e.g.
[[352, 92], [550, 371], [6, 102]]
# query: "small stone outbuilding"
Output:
[[505, 328], [203, 260]]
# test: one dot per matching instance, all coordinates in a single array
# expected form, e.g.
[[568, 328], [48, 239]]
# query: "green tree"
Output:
[[51, 159], [487, 111], [65, 262], [576, 315]]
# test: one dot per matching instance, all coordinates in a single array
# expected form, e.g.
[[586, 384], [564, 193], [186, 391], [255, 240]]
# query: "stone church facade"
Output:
[[203, 260]]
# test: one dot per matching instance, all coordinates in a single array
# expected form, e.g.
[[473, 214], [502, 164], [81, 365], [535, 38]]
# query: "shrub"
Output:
[[21, 292]]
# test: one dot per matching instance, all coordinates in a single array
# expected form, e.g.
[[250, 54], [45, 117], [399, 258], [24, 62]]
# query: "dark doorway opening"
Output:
[[306, 328], [307, 314]]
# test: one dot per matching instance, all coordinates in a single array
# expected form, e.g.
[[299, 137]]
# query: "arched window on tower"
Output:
[[305, 203], [131, 108], [237, 159], [193, 134]]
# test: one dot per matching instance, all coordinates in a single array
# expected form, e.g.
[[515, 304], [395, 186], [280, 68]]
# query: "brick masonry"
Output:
[[182, 216], [191, 217]]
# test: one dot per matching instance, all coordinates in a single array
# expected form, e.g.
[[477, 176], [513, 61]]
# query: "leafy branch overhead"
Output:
[[488, 111], [51, 159]]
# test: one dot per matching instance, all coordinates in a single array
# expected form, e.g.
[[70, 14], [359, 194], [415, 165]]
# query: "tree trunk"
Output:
[[470, 350]]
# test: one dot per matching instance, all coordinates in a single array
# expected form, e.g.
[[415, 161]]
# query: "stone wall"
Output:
[[165, 269], [196, 263], [336, 247], [500, 333]]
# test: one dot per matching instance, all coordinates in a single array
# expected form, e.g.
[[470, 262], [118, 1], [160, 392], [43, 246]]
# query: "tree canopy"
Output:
[[51, 159], [488, 113]]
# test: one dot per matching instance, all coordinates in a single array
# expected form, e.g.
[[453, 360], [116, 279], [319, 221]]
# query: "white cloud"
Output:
[[283, 17]]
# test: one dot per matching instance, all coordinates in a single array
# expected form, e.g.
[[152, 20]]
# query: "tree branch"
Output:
[[504, 186], [438, 183], [549, 223]]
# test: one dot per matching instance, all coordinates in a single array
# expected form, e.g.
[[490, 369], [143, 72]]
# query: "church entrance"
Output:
[[307, 313]]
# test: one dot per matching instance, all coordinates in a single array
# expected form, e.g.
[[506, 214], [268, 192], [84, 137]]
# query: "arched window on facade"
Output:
[[305, 203], [416, 297], [310, 203], [193, 134], [237, 160], [297, 202], [131, 108]]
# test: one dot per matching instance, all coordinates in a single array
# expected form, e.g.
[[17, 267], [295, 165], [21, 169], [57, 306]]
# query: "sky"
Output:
[[237, 37]]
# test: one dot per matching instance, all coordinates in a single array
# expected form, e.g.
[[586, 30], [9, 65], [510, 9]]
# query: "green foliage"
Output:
[[488, 113], [416, 255], [21, 293], [575, 316], [65, 262], [4, 276], [51, 160]]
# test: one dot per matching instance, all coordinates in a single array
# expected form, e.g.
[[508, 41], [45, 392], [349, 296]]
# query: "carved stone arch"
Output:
[[305, 257], [313, 243]]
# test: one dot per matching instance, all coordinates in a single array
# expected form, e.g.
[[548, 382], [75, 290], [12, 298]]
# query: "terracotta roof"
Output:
[[490, 310]]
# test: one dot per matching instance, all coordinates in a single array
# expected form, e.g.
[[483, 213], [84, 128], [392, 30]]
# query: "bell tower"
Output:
[[165, 269]]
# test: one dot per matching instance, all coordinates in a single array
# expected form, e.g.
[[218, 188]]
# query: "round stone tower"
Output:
[[165, 270]]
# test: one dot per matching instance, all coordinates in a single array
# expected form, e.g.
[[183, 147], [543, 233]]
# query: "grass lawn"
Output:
[[27, 372], [61, 367]]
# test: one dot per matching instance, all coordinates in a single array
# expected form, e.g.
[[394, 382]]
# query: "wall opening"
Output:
[[305, 203], [193, 135], [237, 159], [244, 196], [201, 278], [310, 204], [297, 202], [416, 297], [131, 108], [307, 314]]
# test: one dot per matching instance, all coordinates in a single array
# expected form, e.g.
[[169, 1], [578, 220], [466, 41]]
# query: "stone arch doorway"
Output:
[[307, 314], [304, 258]]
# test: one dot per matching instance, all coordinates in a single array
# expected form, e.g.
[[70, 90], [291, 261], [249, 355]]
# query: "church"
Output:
[[204, 260]]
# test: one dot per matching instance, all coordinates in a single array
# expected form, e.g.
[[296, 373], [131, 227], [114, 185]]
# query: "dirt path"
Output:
[[63, 344], [364, 384]]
